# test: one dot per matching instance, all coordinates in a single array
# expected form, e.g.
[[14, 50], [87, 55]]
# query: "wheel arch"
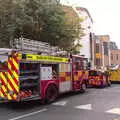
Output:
[[48, 85]]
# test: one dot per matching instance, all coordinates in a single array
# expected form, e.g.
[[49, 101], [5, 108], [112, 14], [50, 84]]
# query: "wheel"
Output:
[[83, 88], [51, 94]]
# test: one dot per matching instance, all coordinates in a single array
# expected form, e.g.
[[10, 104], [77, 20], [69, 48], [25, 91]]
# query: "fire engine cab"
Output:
[[27, 76]]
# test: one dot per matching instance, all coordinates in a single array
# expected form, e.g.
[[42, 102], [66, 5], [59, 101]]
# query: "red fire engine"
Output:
[[98, 79], [25, 76]]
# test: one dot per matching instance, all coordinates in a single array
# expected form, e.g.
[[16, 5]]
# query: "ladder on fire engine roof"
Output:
[[4, 51], [33, 46]]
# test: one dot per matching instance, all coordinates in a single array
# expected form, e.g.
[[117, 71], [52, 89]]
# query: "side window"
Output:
[[79, 64], [93, 73], [85, 64], [3, 63]]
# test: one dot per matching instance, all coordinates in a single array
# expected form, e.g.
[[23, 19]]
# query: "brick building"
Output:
[[102, 52], [113, 46], [115, 57]]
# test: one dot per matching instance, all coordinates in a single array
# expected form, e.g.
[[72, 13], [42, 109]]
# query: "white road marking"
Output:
[[114, 111], [108, 90], [116, 119], [60, 103], [85, 107], [29, 114]]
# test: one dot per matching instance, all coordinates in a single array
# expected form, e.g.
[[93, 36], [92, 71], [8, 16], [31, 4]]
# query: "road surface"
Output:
[[95, 104]]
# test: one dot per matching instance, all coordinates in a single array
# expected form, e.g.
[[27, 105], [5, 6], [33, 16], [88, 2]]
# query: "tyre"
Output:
[[51, 94], [83, 88]]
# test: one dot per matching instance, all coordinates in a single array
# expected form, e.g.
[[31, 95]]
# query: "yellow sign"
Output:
[[46, 58], [98, 55]]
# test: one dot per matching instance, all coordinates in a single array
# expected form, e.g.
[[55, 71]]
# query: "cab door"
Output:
[[78, 72], [65, 79]]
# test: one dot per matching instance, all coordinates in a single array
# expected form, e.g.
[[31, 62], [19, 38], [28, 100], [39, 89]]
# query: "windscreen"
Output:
[[95, 73], [81, 63]]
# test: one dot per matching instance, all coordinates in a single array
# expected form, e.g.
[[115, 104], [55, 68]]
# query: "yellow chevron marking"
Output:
[[9, 97], [15, 96], [4, 89], [15, 75], [14, 84], [3, 78], [16, 65], [3, 86], [1, 94], [8, 85], [9, 66]]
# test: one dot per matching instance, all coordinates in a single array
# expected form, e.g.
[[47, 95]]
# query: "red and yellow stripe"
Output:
[[13, 78], [9, 80]]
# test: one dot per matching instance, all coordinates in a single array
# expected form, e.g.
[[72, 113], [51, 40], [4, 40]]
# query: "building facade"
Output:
[[102, 52], [115, 57], [113, 46], [87, 40], [98, 53]]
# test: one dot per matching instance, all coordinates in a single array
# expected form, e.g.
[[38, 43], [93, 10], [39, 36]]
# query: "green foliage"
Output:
[[39, 20]]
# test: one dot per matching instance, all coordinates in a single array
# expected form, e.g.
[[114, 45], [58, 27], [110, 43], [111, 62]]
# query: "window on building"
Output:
[[111, 56], [106, 48], [98, 62], [97, 48], [117, 57]]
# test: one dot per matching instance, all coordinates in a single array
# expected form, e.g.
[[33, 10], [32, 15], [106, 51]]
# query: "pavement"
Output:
[[95, 104]]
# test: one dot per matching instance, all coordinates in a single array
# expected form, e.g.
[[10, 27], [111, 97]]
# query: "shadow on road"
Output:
[[27, 105], [21, 105]]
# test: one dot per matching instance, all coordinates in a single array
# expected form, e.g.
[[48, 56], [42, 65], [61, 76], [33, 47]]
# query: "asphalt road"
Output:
[[95, 104]]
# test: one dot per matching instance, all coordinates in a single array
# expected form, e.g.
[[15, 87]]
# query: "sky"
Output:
[[105, 15]]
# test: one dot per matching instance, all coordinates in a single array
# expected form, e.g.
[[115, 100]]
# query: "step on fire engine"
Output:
[[29, 72]]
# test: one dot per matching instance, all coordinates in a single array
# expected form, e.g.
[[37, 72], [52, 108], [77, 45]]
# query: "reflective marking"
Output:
[[114, 111], [16, 76], [3, 78], [60, 103], [4, 89], [16, 64], [85, 107], [9, 97], [1, 94], [29, 114], [13, 82]]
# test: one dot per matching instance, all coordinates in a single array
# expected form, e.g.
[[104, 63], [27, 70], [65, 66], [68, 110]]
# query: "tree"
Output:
[[42, 20]]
